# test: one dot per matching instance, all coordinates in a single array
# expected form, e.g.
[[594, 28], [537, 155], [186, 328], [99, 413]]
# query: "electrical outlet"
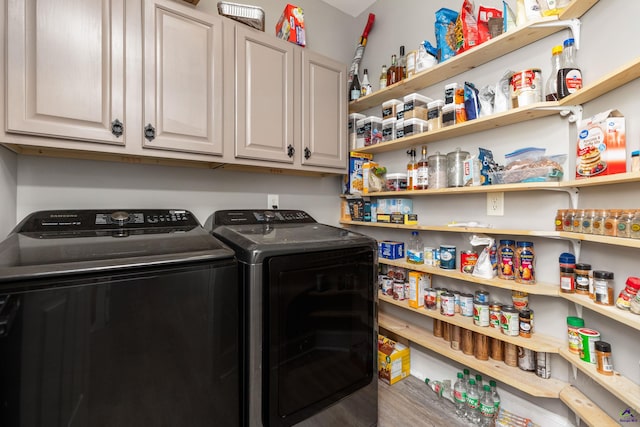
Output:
[[495, 204], [272, 201]]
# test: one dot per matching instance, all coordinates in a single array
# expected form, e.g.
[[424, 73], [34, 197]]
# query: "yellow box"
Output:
[[418, 282], [394, 360]]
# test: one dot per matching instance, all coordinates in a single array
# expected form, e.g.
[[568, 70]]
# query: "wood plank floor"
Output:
[[411, 403]]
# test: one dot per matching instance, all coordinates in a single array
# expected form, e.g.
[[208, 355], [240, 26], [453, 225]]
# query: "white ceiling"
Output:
[[351, 7]]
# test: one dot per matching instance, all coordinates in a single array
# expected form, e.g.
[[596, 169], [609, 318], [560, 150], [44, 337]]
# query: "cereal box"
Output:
[[355, 179], [394, 360], [290, 26], [601, 148]]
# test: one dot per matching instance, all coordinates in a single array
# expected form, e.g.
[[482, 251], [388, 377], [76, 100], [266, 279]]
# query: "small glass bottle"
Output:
[[383, 77], [587, 221], [422, 176], [598, 221], [625, 223], [603, 287], [635, 226], [365, 88], [559, 221], [578, 217], [391, 71], [412, 170], [568, 220], [611, 222], [355, 88]]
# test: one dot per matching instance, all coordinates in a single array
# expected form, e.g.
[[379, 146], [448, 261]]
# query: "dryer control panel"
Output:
[[269, 216]]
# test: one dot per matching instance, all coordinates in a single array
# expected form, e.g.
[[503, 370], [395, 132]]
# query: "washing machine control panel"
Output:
[[268, 216]]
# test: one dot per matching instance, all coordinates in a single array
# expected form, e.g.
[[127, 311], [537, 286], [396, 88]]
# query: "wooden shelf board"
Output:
[[515, 377], [618, 385], [615, 241], [582, 406], [619, 178], [537, 342], [535, 289], [623, 316]]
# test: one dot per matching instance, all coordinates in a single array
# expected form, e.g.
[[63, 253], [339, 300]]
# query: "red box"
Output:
[[290, 26]]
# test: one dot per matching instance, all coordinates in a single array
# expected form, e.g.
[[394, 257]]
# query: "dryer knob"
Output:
[[120, 217]]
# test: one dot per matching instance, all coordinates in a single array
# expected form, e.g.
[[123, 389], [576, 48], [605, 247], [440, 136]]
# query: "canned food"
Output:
[[448, 257], [398, 291], [509, 321], [482, 296], [447, 304], [456, 298], [588, 338], [428, 256], [466, 305], [439, 292], [526, 322], [543, 364], [526, 359], [387, 286], [495, 310], [430, 299], [481, 313], [520, 299], [468, 260]]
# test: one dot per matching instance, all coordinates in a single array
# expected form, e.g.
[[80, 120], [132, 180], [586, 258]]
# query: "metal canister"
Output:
[[428, 256], [481, 313], [526, 359], [439, 292], [509, 321], [387, 286], [543, 364], [466, 305], [456, 299], [525, 318], [447, 304], [448, 257], [482, 296], [430, 299], [495, 310], [455, 167], [468, 260], [398, 290]]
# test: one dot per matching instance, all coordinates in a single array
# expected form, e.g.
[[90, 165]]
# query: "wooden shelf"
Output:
[[515, 377], [623, 316], [537, 342], [583, 407], [619, 178], [617, 78], [535, 289], [486, 52], [618, 385]]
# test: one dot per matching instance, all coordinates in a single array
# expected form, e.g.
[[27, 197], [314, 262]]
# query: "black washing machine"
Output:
[[309, 322], [118, 318]]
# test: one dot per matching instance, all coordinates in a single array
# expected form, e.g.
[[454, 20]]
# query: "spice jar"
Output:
[[635, 225], [625, 223], [567, 225], [583, 278], [635, 161], [587, 221], [559, 221], [603, 287], [567, 280], [604, 364], [437, 171], [573, 337], [455, 167], [598, 221], [611, 222], [526, 322], [635, 305], [629, 293], [506, 259], [525, 260], [578, 217]]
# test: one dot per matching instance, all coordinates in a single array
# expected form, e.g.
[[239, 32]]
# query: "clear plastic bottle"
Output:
[[460, 395], [415, 249], [495, 396], [473, 403], [487, 408], [551, 88], [569, 75], [467, 376], [479, 382]]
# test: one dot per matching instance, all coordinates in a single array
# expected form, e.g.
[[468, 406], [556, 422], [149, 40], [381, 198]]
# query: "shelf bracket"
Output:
[[572, 24], [573, 193], [576, 245], [572, 112]]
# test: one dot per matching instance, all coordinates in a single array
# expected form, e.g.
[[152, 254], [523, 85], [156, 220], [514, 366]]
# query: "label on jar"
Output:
[[525, 272], [448, 257], [481, 314], [506, 256]]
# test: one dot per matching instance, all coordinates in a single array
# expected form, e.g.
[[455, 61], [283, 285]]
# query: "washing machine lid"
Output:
[[48, 243], [254, 237]]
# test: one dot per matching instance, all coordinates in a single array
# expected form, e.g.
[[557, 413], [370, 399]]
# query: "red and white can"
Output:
[[468, 260]]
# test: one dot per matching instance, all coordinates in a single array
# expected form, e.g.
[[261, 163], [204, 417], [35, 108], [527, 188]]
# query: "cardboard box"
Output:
[[601, 148], [391, 206], [290, 26], [356, 209], [390, 250], [394, 360], [355, 178], [418, 282]]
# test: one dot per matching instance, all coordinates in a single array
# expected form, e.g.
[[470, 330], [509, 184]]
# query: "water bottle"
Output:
[[460, 395], [479, 383], [486, 407], [495, 396], [466, 377], [415, 251], [473, 403]]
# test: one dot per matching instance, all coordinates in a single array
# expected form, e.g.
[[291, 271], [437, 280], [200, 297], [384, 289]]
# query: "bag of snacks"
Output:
[[445, 27]]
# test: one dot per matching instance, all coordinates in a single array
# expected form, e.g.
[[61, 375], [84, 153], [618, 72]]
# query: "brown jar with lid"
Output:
[[583, 278], [611, 222], [603, 287]]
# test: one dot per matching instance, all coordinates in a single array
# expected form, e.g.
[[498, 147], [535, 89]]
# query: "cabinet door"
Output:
[[264, 73], [182, 78], [324, 111], [66, 68]]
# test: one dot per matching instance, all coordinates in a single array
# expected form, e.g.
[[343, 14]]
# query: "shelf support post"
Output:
[[572, 24]]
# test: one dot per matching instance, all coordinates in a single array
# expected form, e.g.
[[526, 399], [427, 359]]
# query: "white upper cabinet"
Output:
[[182, 79], [65, 70]]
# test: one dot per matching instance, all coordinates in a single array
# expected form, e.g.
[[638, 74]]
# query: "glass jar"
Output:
[[583, 278], [625, 223], [629, 293], [455, 167], [525, 260], [578, 217], [559, 222], [567, 225], [437, 171], [611, 222], [603, 287], [635, 305], [587, 221], [635, 225], [598, 221], [567, 280]]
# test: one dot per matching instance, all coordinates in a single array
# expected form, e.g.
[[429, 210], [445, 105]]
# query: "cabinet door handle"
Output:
[[290, 150], [149, 132], [117, 128], [307, 153]]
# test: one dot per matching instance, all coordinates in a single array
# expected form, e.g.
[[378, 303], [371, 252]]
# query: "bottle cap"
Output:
[[567, 258], [599, 274], [633, 282], [575, 321], [556, 50], [603, 346], [568, 42], [635, 153]]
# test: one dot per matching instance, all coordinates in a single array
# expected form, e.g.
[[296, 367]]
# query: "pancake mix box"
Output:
[[290, 26], [394, 360], [601, 148]]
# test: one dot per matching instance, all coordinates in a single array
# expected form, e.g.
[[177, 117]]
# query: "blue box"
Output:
[[390, 250]]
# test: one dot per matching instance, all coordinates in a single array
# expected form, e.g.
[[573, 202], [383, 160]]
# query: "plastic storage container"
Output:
[[353, 130], [414, 126], [415, 106], [390, 108], [448, 115], [389, 129], [396, 181], [369, 131], [434, 114]]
